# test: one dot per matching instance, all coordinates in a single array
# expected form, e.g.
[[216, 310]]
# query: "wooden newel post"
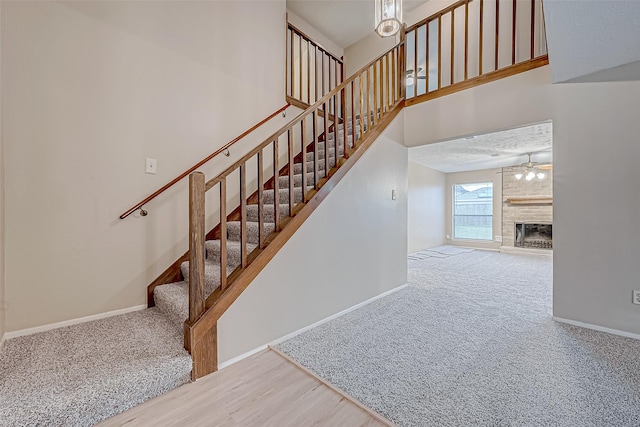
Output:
[[402, 63], [196, 245]]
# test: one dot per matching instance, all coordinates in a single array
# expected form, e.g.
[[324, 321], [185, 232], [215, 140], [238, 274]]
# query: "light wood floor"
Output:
[[263, 390]]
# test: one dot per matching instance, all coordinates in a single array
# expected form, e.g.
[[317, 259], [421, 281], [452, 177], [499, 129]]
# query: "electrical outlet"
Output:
[[150, 165], [636, 296], [393, 194]]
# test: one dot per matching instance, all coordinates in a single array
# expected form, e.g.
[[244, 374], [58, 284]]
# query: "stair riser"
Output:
[[297, 180], [212, 248], [297, 168], [252, 212], [233, 231], [284, 196]]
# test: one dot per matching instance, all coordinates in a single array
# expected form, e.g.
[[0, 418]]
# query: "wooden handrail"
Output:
[[222, 149], [464, 67], [336, 108], [301, 33]]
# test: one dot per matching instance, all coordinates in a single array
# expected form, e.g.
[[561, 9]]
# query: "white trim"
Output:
[[526, 251], [242, 356], [44, 328], [598, 328], [306, 328], [2, 341]]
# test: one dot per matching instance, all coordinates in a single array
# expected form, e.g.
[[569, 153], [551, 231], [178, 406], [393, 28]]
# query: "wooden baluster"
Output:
[[326, 141], [513, 35], [453, 49], [497, 31], [394, 81], [223, 233], [353, 112], [402, 62], [300, 66], [276, 186], [466, 39], [415, 63], [243, 214], [386, 80], [533, 26], [426, 56], [293, 38], [316, 177], [303, 132], [345, 127], [370, 117], [196, 245], [481, 37], [287, 61], [323, 77], [336, 125], [317, 74], [290, 152], [309, 74], [261, 235], [439, 51], [375, 92], [360, 78]]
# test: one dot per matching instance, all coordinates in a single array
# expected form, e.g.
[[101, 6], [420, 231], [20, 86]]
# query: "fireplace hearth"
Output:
[[533, 235]]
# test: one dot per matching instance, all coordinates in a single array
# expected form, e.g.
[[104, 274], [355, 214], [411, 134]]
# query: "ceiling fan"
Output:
[[411, 76], [532, 170]]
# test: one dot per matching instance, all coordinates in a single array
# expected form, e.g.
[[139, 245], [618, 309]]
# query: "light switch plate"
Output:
[[151, 165]]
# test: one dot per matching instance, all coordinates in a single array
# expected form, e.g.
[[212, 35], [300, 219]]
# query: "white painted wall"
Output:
[[89, 90], [586, 37], [352, 248], [366, 50], [486, 175], [596, 245], [426, 207]]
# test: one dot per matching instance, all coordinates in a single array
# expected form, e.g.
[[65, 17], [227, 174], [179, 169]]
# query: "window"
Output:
[[473, 211]]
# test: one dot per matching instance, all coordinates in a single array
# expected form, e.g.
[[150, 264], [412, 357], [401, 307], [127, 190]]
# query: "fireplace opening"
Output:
[[530, 235]]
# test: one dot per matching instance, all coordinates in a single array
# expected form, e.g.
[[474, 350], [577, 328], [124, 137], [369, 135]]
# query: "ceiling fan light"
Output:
[[518, 175], [410, 80], [388, 17], [540, 175], [530, 176]]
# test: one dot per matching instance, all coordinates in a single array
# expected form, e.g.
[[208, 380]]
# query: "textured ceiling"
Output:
[[343, 21], [492, 150]]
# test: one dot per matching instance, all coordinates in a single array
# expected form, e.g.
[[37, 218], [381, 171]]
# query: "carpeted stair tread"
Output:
[[297, 180], [252, 212], [211, 274], [297, 168], [212, 248], [233, 230], [284, 195]]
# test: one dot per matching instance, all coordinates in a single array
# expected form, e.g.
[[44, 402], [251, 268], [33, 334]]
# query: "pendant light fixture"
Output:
[[388, 17]]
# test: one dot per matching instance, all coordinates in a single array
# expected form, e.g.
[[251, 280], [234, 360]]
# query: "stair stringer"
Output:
[[199, 330]]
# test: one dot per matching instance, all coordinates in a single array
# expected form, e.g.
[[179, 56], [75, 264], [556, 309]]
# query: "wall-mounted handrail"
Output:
[[222, 149]]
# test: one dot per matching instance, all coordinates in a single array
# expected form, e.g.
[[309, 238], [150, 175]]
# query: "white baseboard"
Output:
[[526, 251], [43, 328], [306, 328], [597, 328]]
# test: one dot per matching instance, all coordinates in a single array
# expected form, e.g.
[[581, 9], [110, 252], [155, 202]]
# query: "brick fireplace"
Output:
[[529, 205]]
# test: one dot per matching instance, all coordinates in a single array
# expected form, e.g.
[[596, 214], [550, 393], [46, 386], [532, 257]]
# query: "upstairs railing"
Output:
[[224, 149], [473, 42], [361, 104], [311, 70]]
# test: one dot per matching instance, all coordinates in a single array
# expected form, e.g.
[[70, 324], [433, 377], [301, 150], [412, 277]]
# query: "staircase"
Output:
[[173, 299]]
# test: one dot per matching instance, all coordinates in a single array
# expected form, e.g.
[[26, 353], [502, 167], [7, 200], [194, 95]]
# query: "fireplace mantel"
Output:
[[530, 200]]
